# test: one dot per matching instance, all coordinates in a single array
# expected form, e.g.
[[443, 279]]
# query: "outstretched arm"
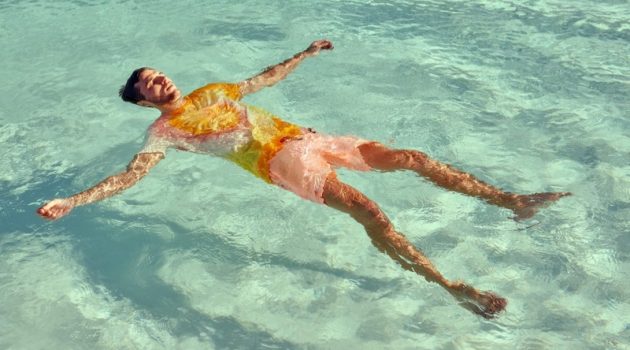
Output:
[[136, 170], [274, 74]]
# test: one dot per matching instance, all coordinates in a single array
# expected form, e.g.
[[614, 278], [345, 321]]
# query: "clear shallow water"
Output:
[[201, 255]]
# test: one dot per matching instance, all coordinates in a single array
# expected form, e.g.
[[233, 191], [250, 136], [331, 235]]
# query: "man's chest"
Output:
[[220, 117]]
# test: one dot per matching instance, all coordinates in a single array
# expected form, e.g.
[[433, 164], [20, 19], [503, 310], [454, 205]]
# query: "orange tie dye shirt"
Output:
[[213, 120]]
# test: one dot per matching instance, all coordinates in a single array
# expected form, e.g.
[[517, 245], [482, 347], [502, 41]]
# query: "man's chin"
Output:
[[173, 97]]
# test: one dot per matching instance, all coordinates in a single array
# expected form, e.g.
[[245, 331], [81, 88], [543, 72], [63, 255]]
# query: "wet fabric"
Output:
[[213, 120], [303, 165]]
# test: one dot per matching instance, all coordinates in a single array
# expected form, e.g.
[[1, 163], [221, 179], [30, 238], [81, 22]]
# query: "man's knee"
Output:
[[347, 199], [376, 155]]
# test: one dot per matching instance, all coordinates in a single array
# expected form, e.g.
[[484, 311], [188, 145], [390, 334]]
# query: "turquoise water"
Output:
[[201, 255]]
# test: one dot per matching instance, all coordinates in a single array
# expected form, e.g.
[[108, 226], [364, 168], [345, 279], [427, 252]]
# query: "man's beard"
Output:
[[172, 97]]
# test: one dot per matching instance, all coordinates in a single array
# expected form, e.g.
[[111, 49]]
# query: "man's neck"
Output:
[[168, 108]]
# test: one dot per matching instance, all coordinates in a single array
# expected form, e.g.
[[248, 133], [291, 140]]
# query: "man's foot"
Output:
[[487, 305], [484, 303], [526, 205]]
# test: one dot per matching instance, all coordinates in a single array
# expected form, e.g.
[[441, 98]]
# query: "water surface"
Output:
[[201, 255]]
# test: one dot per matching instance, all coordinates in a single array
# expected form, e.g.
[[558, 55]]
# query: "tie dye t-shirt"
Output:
[[213, 120]]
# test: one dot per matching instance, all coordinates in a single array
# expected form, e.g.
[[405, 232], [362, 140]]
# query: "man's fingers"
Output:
[[324, 44], [45, 213], [321, 45], [42, 210], [52, 214]]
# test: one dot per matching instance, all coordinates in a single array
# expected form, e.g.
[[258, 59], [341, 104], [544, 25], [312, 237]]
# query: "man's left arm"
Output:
[[274, 74]]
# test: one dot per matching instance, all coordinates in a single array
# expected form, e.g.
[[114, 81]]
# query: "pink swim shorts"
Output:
[[303, 165]]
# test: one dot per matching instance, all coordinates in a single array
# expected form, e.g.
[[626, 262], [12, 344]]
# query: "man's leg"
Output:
[[381, 157], [345, 198]]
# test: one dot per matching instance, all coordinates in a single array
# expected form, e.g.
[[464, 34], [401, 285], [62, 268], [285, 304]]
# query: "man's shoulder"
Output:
[[155, 141]]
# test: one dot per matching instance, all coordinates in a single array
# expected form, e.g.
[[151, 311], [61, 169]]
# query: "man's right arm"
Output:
[[136, 170]]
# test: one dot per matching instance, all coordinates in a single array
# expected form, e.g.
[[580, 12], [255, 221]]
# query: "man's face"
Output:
[[156, 87]]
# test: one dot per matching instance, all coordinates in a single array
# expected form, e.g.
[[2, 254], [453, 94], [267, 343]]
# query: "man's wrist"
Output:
[[71, 201], [301, 55]]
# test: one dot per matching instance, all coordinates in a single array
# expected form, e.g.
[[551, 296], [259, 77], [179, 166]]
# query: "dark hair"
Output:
[[128, 92]]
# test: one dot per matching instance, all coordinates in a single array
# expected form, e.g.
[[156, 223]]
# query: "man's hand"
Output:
[[55, 209], [317, 46]]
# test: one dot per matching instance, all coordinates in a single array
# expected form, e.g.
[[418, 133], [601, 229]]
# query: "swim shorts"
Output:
[[302, 165]]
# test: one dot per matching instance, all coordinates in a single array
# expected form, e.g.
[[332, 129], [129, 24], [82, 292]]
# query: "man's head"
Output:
[[149, 87]]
